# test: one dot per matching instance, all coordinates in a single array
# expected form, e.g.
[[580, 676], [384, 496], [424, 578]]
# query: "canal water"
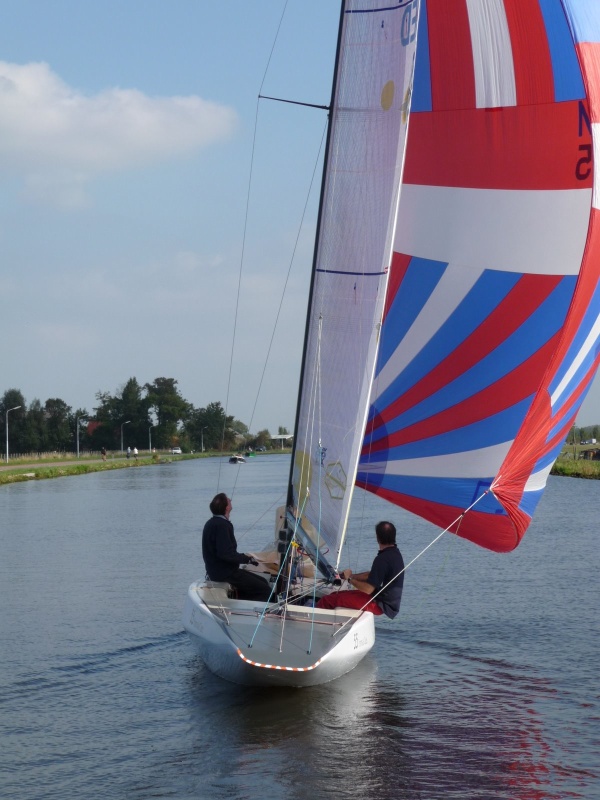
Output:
[[485, 686]]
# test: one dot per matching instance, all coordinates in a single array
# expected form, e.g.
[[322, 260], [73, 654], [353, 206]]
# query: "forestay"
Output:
[[491, 324], [363, 169]]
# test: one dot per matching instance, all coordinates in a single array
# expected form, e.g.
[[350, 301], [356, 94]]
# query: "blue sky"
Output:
[[126, 134], [125, 154]]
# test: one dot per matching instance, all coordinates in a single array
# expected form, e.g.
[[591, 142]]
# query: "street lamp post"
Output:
[[8, 410], [202, 437], [123, 423], [150, 437], [77, 432]]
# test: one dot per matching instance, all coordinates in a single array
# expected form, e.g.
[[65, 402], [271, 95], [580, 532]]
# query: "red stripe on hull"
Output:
[[532, 147]]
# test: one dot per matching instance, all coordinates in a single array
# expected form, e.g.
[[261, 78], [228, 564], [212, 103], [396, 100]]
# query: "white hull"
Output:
[[304, 647]]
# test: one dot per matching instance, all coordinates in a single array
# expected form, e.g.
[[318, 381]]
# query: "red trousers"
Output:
[[351, 598]]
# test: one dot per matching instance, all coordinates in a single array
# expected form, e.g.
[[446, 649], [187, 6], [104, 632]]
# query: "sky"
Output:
[[129, 226], [152, 209]]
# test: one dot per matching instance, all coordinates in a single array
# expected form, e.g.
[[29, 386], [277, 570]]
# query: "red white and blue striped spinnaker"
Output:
[[491, 329]]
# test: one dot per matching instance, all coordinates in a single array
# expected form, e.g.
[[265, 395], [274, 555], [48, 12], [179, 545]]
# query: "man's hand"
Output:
[[346, 574], [253, 561]]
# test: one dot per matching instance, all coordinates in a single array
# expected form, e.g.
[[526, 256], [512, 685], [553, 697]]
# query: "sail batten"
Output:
[[358, 218]]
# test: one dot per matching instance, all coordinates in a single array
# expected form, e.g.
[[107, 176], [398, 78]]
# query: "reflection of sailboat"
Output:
[[453, 318]]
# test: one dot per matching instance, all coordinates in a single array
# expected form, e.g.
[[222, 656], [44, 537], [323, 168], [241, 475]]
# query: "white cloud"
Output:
[[57, 138], [62, 188]]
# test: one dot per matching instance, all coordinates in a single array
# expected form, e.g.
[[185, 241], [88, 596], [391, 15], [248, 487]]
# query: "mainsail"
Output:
[[490, 336], [363, 167]]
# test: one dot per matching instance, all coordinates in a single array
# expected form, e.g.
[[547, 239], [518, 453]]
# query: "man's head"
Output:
[[219, 504], [386, 533]]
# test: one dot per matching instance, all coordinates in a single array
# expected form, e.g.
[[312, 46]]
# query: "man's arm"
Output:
[[361, 585], [358, 581]]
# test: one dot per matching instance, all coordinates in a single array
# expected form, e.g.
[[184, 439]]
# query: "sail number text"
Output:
[[408, 31], [584, 164]]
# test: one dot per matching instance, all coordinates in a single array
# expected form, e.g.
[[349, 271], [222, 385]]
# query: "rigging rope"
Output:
[[245, 229], [275, 503], [456, 522], [283, 291], [237, 299], [287, 277], [265, 609]]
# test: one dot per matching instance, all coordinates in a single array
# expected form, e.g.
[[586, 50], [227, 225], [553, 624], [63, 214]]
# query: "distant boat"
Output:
[[237, 460], [454, 312]]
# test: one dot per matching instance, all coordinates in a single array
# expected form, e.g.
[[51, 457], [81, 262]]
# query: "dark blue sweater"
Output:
[[386, 566], [219, 549]]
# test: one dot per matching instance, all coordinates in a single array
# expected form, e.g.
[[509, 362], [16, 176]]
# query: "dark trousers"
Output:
[[250, 586]]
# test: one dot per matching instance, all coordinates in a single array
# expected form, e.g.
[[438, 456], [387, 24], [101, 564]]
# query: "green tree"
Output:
[[263, 438], [134, 406], [239, 427], [58, 429], [170, 409], [574, 435], [128, 405], [80, 418], [104, 429], [213, 427], [16, 434], [35, 435]]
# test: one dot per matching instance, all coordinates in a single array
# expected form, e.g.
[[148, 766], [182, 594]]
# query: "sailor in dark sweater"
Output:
[[222, 560], [379, 590]]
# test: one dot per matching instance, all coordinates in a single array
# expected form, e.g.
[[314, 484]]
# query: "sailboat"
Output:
[[454, 311]]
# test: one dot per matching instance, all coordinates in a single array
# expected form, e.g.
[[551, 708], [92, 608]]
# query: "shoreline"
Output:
[[61, 467], [44, 469], [583, 468]]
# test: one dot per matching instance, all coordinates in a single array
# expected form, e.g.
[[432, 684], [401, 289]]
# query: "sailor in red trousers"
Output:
[[385, 580]]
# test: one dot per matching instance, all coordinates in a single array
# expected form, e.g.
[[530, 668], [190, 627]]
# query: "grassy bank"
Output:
[[43, 470], [582, 468], [24, 470]]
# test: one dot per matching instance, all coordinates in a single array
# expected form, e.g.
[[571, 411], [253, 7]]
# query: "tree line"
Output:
[[586, 434], [143, 416]]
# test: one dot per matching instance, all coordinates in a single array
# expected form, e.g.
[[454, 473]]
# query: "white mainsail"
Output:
[[363, 170]]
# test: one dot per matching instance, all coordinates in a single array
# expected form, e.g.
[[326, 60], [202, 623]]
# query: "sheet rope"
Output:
[[456, 522]]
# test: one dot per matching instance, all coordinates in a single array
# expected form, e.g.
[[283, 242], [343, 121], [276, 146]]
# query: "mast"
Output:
[[362, 176], [315, 252]]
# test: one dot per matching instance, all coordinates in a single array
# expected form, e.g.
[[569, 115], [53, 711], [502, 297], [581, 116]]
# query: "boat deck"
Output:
[[300, 637]]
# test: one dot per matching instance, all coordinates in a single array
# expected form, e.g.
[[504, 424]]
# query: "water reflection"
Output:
[[472, 728], [486, 686], [326, 740]]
